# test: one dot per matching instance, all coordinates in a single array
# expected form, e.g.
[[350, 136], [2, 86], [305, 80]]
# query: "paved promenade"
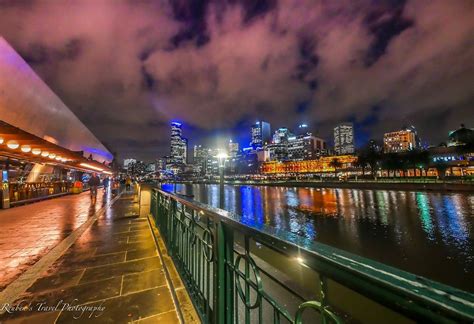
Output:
[[70, 262]]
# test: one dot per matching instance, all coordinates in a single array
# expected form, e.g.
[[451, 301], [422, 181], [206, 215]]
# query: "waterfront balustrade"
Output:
[[239, 273]]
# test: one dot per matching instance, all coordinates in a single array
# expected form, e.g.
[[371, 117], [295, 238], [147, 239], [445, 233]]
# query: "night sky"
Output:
[[127, 68]]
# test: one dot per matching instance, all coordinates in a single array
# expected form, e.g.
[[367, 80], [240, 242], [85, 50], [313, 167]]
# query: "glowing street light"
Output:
[[222, 156]]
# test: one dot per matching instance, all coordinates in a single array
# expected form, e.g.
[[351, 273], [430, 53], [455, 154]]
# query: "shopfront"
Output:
[[33, 169]]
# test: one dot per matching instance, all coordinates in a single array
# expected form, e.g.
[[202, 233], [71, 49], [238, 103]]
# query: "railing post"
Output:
[[223, 276]]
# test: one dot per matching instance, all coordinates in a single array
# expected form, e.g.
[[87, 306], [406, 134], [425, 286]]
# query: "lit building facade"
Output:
[[344, 139], [305, 147], [321, 165], [179, 144], [281, 135], [233, 149], [128, 162], [400, 141], [260, 134], [200, 156]]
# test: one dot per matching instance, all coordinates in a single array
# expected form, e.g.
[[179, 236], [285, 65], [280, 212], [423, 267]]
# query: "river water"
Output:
[[426, 233]]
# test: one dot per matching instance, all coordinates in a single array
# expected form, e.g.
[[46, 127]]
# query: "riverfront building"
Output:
[[321, 165], [344, 139], [305, 147], [260, 134], [400, 141]]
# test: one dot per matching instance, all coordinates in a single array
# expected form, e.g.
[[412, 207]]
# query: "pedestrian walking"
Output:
[[93, 182], [106, 184]]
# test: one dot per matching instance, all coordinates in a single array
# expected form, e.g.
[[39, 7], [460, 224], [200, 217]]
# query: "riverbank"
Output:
[[380, 185]]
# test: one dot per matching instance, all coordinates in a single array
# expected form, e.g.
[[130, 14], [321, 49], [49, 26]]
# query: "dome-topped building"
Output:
[[461, 136]]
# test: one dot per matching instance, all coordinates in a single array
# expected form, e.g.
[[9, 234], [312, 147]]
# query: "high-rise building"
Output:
[[344, 139], [261, 134], [281, 135], [128, 162], [403, 140], [179, 144], [233, 149], [305, 147], [200, 155], [161, 164]]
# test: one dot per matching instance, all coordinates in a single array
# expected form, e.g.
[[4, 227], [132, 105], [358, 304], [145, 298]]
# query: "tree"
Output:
[[336, 164], [416, 159], [441, 168], [362, 161], [392, 162], [369, 155]]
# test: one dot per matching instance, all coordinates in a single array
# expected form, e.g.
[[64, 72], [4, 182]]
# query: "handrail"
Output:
[[183, 221]]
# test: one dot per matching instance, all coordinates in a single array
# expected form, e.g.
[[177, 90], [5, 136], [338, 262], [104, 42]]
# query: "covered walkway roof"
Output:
[[19, 144]]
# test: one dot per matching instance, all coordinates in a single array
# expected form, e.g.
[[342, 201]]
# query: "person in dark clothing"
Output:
[[94, 182], [106, 184]]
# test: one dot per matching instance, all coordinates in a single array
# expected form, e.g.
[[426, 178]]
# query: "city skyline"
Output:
[[219, 66], [225, 143]]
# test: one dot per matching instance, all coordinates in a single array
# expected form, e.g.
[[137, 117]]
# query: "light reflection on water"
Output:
[[430, 234]]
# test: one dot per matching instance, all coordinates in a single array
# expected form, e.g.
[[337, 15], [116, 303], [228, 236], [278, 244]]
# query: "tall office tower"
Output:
[[344, 138], [200, 158], [403, 140], [261, 134], [179, 144], [281, 135], [233, 149], [128, 162], [305, 147]]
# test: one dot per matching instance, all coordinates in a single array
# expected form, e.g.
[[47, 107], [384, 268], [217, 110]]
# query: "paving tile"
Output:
[[143, 280], [164, 318], [84, 293], [131, 307], [114, 247], [120, 269], [61, 280], [34, 317], [141, 253], [89, 262]]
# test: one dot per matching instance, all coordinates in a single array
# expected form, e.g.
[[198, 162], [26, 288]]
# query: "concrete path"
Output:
[[110, 274]]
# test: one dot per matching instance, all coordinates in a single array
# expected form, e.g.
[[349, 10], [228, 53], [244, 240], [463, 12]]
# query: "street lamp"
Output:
[[222, 156]]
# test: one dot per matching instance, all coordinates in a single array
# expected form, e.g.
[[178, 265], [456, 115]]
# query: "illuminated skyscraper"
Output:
[[281, 135], [179, 144], [233, 149], [261, 134], [344, 138]]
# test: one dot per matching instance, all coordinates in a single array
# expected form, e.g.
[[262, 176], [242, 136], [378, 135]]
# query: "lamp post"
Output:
[[221, 157]]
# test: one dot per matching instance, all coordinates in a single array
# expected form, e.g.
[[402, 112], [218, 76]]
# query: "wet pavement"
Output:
[[28, 232], [111, 274]]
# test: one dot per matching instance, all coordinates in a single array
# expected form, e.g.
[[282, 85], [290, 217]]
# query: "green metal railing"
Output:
[[235, 273]]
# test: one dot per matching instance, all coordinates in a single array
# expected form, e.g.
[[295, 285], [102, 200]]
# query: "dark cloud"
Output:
[[127, 68], [384, 23]]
